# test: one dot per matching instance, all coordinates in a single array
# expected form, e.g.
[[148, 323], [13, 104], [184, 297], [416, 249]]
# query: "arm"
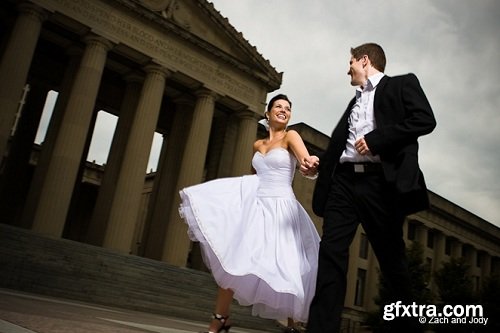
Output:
[[308, 164], [411, 116], [256, 145]]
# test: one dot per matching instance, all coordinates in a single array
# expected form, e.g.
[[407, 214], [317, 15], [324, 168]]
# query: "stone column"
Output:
[[176, 248], [50, 137], [130, 182], [166, 178], [372, 278], [216, 149], [107, 190], [55, 197], [242, 162], [486, 268], [421, 235], [15, 65], [439, 256], [439, 249], [229, 147], [352, 271], [471, 261]]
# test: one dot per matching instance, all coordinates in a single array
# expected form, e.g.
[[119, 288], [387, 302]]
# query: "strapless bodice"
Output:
[[275, 170]]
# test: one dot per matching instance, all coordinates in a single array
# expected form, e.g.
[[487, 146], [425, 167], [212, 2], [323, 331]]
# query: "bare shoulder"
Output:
[[257, 144], [293, 135]]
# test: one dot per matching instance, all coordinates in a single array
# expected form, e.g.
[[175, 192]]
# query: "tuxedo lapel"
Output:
[[379, 92], [339, 135]]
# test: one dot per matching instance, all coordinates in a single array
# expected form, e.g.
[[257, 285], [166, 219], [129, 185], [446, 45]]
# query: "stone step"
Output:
[[73, 270]]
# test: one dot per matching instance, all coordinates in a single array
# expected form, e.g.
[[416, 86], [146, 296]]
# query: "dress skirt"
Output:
[[258, 242]]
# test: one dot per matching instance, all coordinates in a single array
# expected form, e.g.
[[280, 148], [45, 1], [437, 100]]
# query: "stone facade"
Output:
[[178, 69]]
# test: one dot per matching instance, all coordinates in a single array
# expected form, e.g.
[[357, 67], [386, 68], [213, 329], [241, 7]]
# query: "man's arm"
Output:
[[413, 118]]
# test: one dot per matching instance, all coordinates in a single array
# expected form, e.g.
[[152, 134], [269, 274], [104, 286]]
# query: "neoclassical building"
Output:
[[177, 68], [171, 67]]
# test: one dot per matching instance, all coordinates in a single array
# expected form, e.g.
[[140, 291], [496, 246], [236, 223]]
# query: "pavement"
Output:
[[22, 312]]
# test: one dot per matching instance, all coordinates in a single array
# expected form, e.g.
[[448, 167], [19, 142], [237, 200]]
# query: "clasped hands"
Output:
[[309, 167]]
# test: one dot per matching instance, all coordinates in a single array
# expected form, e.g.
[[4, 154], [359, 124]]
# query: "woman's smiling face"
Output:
[[280, 112]]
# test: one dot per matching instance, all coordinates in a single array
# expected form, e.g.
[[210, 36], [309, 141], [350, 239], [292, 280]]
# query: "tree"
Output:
[[454, 284], [419, 275], [455, 288], [490, 300]]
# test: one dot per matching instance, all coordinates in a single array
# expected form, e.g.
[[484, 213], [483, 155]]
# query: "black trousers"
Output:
[[356, 198]]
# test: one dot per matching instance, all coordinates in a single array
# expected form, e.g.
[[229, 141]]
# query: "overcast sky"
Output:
[[453, 46]]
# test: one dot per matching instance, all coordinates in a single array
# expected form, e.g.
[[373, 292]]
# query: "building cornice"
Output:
[[463, 221], [266, 73]]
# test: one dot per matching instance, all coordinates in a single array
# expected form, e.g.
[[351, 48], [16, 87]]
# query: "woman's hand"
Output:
[[309, 166]]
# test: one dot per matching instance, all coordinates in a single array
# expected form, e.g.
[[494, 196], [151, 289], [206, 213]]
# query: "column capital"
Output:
[[205, 92], [184, 99], [133, 77], [159, 69], [98, 40], [416, 222], [247, 114], [438, 232], [36, 11]]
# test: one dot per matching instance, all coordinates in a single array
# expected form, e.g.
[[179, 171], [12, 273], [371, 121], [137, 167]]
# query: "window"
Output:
[[428, 269], [495, 266], [360, 287], [48, 108], [447, 246], [477, 283], [428, 262], [363, 246], [430, 239], [102, 138], [412, 231]]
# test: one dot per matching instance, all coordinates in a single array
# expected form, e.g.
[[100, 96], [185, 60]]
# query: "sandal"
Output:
[[291, 330], [222, 319]]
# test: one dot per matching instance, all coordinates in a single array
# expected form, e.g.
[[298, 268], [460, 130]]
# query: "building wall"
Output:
[[178, 69]]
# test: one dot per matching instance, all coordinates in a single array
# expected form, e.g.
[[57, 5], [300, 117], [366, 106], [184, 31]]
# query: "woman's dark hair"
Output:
[[275, 98]]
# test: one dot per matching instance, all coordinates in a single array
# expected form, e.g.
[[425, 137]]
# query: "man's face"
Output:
[[357, 71]]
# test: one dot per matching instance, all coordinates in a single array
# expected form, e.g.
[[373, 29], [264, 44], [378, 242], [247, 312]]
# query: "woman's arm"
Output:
[[308, 164]]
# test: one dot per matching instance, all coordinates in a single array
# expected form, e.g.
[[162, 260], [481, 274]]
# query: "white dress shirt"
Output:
[[362, 121]]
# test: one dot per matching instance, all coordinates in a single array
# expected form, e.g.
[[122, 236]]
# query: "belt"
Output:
[[359, 167]]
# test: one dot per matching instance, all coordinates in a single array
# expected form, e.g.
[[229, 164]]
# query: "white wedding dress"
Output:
[[256, 238]]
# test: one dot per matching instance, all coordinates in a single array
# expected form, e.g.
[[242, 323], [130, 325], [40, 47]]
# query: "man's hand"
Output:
[[361, 146], [309, 166]]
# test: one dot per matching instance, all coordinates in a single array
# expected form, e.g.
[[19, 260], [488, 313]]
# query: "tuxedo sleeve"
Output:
[[403, 115]]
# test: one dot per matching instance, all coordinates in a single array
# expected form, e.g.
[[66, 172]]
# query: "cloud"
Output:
[[451, 45]]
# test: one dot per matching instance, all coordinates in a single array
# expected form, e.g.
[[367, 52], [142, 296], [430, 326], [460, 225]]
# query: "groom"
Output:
[[369, 174]]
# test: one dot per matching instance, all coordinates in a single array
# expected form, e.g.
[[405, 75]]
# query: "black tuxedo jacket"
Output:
[[402, 114]]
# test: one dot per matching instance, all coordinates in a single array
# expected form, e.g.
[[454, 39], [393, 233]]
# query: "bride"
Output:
[[257, 240]]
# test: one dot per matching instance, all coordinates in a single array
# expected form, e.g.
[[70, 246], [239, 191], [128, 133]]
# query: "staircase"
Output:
[[72, 270]]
